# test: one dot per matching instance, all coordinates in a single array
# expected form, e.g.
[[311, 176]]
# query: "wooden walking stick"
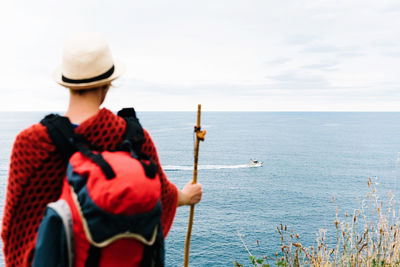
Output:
[[199, 137]]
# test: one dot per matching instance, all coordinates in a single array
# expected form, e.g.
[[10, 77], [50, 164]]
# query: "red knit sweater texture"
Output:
[[36, 177]]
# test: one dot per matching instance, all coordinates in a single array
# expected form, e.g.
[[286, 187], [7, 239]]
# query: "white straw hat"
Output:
[[87, 62]]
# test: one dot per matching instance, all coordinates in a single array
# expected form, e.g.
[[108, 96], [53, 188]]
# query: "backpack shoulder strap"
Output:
[[133, 140], [134, 131], [62, 134]]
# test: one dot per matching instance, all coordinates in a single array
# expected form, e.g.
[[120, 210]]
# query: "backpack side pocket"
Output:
[[54, 244]]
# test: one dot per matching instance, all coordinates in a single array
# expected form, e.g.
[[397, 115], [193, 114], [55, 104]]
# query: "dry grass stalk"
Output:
[[370, 237]]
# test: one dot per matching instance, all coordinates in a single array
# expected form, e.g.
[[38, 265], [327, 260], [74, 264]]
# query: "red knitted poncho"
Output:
[[36, 176]]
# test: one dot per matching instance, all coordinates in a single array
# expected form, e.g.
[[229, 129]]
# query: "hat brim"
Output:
[[119, 68]]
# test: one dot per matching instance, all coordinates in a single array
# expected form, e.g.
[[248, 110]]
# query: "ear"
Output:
[[106, 88], [104, 91]]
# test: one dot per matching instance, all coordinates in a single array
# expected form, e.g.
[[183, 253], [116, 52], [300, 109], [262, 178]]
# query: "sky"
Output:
[[228, 55]]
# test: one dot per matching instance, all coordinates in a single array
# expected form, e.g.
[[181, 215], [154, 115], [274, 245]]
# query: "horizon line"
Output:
[[233, 111]]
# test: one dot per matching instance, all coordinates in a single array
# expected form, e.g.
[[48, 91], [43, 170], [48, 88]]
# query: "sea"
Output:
[[309, 158]]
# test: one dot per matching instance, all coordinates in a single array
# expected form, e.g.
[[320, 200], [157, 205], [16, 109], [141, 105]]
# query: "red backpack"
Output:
[[109, 210]]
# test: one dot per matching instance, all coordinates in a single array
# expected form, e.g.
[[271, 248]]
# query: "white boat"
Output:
[[255, 163]]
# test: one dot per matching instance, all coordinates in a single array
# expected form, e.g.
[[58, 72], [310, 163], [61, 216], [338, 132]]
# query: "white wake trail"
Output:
[[205, 167]]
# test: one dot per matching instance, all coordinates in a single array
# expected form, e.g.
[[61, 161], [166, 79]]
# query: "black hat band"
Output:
[[105, 75]]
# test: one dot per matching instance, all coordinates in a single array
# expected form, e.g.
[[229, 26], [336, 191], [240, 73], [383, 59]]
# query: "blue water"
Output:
[[308, 158]]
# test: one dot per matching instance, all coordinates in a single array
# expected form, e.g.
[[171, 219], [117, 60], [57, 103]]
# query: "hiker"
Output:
[[37, 170]]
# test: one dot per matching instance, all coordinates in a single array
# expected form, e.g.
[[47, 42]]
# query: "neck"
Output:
[[83, 105]]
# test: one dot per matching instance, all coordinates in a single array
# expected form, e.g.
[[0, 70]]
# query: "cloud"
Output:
[[302, 39], [342, 51], [278, 61], [392, 9], [295, 77], [327, 66], [391, 54]]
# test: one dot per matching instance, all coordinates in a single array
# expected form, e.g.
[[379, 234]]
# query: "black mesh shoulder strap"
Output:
[[133, 140], [67, 142]]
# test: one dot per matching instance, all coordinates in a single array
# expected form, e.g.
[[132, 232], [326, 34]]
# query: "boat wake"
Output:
[[205, 167]]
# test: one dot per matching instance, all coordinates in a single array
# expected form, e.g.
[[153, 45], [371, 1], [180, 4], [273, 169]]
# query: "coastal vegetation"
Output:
[[368, 237]]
